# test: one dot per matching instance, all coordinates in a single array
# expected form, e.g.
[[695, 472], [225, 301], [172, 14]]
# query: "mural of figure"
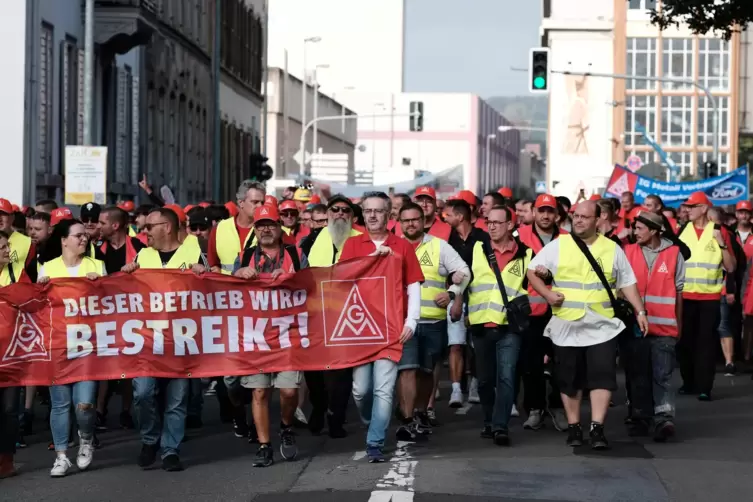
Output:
[[578, 119]]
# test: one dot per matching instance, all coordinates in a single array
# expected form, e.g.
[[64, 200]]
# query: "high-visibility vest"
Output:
[[428, 258], [323, 252], [7, 276], [703, 271], [229, 245], [185, 256], [657, 288], [132, 232], [438, 229], [485, 304], [577, 281], [19, 252], [130, 249], [539, 306], [56, 268]]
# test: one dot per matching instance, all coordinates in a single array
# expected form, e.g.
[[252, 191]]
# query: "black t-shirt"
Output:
[[465, 247], [115, 259]]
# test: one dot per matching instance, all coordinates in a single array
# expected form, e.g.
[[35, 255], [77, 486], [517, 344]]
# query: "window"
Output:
[[676, 124], [641, 4], [124, 125], [639, 110], [646, 157], [706, 118], [677, 61], [723, 161], [684, 161], [714, 64], [69, 94], [642, 61], [46, 54]]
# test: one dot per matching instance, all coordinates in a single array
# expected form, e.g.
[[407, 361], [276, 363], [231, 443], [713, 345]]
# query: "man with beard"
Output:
[[319, 217], [329, 390], [90, 218], [39, 229]]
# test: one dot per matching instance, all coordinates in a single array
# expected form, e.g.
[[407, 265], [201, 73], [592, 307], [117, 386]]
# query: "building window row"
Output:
[[242, 42], [686, 161], [641, 4], [46, 75]]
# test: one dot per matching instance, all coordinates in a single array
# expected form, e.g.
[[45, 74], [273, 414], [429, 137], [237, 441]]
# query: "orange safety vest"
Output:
[[130, 250], [539, 306], [657, 288]]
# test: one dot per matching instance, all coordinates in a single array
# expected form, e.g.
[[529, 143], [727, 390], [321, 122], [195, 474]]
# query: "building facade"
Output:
[[152, 92], [596, 122]]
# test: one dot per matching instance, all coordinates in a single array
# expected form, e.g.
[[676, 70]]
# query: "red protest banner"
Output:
[[169, 323]]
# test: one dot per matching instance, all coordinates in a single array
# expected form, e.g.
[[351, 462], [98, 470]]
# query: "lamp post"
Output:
[[316, 105], [487, 171], [305, 81]]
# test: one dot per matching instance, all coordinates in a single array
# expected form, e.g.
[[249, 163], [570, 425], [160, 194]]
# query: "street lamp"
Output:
[[487, 171], [305, 81], [316, 104]]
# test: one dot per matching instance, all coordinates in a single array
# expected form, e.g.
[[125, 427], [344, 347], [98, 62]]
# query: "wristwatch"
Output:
[[452, 295], [643, 313]]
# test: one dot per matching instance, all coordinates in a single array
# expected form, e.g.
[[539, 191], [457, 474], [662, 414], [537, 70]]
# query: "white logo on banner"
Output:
[[356, 324], [27, 343], [620, 186]]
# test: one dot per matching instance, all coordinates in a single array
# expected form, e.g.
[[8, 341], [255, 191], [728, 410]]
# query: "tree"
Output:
[[704, 16]]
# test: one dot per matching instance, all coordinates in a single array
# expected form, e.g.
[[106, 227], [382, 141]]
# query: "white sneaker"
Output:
[[515, 412], [85, 454], [473, 392], [60, 467], [559, 419], [456, 398], [535, 420], [301, 416]]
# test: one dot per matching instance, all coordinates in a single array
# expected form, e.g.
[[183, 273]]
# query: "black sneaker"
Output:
[[598, 440], [288, 448], [316, 422], [421, 422], [100, 424], [21, 442], [432, 416], [574, 435], [126, 420], [264, 456], [148, 455], [501, 438], [405, 433], [194, 422], [664, 431], [486, 432], [240, 427], [171, 463], [336, 431], [730, 370]]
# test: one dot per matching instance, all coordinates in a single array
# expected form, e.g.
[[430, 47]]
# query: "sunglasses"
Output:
[[198, 227], [150, 226], [89, 220], [320, 220], [289, 214], [338, 210]]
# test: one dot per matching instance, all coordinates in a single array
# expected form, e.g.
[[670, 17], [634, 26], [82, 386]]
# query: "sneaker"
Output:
[[212, 389], [422, 424], [514, 412], [559, 419], [473, 392], [21, 442], [194, 422], [126, 420], [598, 440], [730, 370], [486, 432], [85, 453], [264, 456], [300, 416], [148, 455], [405, 432], [60, 467], [704, 396], [100, 424], [171, 463], [432, 416], [375, 455], [288, 448], [240, 428], [535, 420], [456, 398], [574, 435], [501, 438], [664, 431]]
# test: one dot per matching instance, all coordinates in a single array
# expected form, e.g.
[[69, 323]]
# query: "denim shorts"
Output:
[[424, 350]]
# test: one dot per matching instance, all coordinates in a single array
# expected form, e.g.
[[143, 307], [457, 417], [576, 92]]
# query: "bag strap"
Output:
[[595, 266], [492, 259], [293, 252], [11, 273]]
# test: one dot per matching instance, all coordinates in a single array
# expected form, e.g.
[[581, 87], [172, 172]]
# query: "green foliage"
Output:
[[703, 16]]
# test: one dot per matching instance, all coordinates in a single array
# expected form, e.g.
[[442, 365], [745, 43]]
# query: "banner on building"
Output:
[[177, 325], [729, 188]]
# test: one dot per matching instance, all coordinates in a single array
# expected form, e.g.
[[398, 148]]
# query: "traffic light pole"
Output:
[[706, 90], [302, 143]]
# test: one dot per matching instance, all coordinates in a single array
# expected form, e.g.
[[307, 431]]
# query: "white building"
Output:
[[593, 121]]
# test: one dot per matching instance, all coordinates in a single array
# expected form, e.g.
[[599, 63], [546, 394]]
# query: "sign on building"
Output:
[[85, 174]]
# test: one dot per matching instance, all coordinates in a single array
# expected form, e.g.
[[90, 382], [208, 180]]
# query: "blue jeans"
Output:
[[373, 389], [61, 398], [195, 397], [662, 366], [147, 411], [496, 359]]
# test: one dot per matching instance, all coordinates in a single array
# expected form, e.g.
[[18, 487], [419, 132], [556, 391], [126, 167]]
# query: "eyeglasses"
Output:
[[198, 227], [150, 226], [267, 225], [341, 209], [411, 220], [494, 223], [289, 214], [374, 211], [78, 236], [320, 220]]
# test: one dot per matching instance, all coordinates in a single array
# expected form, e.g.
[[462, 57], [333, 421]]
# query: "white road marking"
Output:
[[464, 409], [359, 455], [401, 475]]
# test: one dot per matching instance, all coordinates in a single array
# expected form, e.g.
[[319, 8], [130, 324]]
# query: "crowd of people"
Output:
[[531, 303]]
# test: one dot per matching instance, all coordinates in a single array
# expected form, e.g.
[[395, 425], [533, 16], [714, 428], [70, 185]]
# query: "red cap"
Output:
[[204, 204], [266, 212], [287, 205], [595, 197], [467, 196], [6, 206], [178, 211], [127, 206], [232, 207], [271, 200], [545, 200], [426, 192], [573, 208], [506, 192], [315, 199], [60, 214], [188, 207], [744, 205], [15, 208], [698, 198]]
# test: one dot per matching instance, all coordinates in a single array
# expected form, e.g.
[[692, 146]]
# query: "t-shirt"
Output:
[[115, 259], [362, 245], [465, 247], [212, 258]]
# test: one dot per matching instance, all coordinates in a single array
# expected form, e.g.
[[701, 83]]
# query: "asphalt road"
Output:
[[711, 459]]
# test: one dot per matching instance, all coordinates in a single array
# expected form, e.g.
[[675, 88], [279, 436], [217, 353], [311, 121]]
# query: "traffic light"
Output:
[[417, 116], [710, 169], [538, 71], [258, 168]]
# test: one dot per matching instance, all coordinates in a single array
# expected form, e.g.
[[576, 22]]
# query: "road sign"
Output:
[[634, 163], [541, 187], [301, 158]]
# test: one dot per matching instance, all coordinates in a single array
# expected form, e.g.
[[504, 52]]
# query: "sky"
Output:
[[469, 46]]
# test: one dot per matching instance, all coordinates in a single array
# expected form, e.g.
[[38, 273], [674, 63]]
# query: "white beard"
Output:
[[339, 230]]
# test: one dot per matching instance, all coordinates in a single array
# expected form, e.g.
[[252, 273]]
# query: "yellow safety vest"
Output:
[[5, 278], [703, 271], [132, 232], [428, 257], [56, 268], [228, 244], [485, 304], [577, 281], [19, 252], [92, 252], [322, 253], [192, 242], [185, 256]]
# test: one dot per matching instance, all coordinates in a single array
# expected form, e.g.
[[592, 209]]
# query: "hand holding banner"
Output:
[[167, 323]]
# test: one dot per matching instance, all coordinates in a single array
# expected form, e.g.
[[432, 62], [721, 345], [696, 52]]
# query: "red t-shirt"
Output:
[[212, 258], [709, 296]]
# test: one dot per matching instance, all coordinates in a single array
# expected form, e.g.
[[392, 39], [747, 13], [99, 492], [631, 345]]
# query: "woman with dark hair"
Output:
[[65, 256]]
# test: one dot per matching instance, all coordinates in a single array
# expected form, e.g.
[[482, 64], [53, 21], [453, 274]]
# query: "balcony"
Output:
[[121, 25]]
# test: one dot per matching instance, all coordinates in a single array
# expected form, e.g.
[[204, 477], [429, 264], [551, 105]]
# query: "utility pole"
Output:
[[216, 70], [265, 78], [88, 72]]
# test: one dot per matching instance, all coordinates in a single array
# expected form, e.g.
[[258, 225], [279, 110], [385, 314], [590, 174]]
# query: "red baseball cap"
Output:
[[467, 196], [595, 197], [288, 205], [15, 208], [266, 212], [426, 192], [6, 206], [271, 200], [188, 207], [315, 199], [545, 200], [127, 206], [175, 208], [697, 199], [232, 207], [744, 205], [506, 192], [60, 214]]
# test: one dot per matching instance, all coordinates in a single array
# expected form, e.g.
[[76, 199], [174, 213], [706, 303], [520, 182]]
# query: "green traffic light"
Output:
[[539, 82]]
